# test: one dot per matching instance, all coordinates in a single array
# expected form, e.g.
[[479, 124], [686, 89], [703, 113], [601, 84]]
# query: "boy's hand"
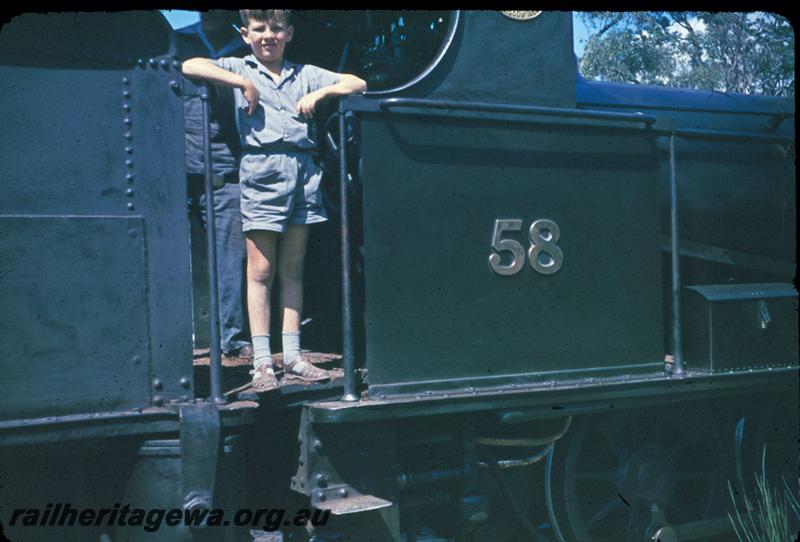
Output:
[[308, 103], [252, 96], [348, 84]]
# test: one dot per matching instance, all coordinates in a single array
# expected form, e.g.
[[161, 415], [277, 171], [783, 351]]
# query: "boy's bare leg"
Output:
[[291, 257], [260, 272]]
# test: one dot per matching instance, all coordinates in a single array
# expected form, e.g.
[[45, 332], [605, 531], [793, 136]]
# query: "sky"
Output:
[[180, 18]]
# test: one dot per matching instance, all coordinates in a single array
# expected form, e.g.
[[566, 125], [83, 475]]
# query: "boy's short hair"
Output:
[[264, 15]]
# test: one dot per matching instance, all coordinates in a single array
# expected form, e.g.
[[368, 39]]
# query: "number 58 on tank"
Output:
[[544, 255]]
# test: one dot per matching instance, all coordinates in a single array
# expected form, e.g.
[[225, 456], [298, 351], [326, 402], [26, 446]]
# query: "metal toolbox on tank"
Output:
[[740, 326]]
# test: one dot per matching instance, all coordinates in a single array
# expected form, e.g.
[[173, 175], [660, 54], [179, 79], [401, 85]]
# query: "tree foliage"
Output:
[[750, 53]]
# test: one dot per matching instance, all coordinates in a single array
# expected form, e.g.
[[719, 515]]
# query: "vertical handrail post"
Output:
[[348, 356], [215, 364], [677, 339]]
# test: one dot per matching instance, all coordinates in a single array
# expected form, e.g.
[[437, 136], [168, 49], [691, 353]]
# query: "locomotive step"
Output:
[[236, 377]]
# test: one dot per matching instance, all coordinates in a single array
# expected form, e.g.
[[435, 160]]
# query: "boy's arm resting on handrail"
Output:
[[203, 68], [348, 84]]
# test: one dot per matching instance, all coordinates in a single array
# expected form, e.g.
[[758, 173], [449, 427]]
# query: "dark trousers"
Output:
[[231, 262]]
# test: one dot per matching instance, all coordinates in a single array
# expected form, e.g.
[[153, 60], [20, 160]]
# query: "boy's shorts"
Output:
[[280, 187]]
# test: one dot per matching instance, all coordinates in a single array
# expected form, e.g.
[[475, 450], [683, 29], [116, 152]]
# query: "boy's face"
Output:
[[268, 39]]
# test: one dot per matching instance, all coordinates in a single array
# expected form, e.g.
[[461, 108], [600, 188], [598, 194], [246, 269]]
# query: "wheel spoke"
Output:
[[620, 454], [636, 524], [607, 508]]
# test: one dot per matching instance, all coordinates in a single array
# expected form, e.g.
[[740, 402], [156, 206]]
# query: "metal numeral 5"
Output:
[[544, 254], [510, 245]]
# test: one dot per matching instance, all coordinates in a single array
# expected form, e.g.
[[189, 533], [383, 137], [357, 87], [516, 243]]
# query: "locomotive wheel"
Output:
[[615, 467]]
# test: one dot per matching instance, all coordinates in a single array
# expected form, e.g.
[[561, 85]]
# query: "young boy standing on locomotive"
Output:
[[280, 182]]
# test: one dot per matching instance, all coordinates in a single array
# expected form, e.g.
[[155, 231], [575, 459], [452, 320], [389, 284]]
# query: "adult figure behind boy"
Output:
[[215, 36], [279, 179]]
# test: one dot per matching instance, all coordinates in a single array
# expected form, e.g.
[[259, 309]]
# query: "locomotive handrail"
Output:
[[649, 120], [675, 263], [350, 393], [215, 361], [387, 103], [585, 104]]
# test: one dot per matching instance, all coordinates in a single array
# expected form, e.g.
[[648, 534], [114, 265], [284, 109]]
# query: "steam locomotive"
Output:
[[564, 307]]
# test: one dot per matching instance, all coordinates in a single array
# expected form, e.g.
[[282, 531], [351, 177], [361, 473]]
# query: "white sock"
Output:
[[262, 353], [291, 347]]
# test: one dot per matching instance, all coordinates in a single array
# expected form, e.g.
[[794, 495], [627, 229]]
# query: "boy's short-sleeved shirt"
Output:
[[276, 119]]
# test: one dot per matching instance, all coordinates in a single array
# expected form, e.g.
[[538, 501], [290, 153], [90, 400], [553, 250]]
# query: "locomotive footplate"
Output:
[[114, 424], [557, 398], [236, 377]]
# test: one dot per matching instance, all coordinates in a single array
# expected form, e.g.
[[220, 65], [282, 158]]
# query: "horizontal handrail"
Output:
[[648, 120], [388, 103]]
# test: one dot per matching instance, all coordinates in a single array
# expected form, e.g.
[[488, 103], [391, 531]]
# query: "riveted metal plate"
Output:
[[437, 315], [72, 339]]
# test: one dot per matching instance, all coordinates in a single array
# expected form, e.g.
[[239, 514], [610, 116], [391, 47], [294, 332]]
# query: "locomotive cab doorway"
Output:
[[390, 50]]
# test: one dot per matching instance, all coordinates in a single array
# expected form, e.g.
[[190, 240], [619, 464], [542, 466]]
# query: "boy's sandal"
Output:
[[304, 370], [263, 379]]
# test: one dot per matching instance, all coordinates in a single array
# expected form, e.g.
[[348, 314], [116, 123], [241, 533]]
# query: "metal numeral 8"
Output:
[[544, 255]]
